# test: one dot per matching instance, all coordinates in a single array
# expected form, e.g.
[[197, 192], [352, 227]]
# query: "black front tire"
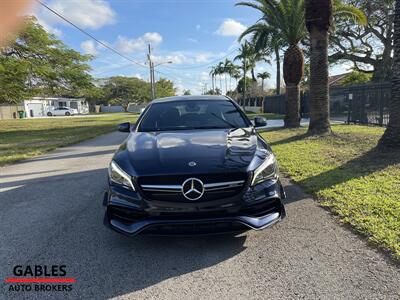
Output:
[[49, 114], [67, 113]]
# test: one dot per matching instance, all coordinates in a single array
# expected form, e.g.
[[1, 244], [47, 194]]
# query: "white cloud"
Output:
[[176, 58], [91, 14], [192, 40], [198, 27], [202, 57], [184, 57], [128, 46], [152, 37], [89, 47], [137, 75], [230, 27]]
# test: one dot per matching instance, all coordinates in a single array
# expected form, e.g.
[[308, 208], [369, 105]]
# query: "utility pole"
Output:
[[154, 81], [244, 83], [151, 66]]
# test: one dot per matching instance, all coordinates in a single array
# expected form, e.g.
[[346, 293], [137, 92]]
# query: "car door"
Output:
[[58, 112]]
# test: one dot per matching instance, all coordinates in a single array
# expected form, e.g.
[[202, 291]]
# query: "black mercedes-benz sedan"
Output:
[[193, 165]]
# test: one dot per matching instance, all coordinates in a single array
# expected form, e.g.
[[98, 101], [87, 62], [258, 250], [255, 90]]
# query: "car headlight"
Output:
[[118, 176], [266, 171]]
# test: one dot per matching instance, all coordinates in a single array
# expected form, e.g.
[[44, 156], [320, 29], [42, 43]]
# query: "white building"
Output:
[[40, 106]]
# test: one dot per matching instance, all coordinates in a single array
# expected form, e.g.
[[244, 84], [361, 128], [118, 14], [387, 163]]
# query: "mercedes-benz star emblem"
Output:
[[193, 189], [192, 164]]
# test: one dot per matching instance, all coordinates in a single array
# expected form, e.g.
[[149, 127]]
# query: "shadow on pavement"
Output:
[[58, 220]]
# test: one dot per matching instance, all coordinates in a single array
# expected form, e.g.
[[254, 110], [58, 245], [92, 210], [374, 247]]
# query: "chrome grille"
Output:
[[213, 189]]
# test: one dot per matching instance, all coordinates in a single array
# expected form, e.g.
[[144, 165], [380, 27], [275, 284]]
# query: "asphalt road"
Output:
[[51, 213]]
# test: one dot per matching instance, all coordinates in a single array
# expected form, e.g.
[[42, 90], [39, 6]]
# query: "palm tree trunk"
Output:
[[220, 82], [292, 118], [278, 71], [319, 87], [293, 70], [262, 86], [391, 137], [253, 76], [226, 84]]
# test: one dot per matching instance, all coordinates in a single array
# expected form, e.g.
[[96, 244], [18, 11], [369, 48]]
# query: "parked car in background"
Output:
[[62, 111]]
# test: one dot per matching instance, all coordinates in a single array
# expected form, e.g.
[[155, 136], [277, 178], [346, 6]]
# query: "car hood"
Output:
[[188, 152]]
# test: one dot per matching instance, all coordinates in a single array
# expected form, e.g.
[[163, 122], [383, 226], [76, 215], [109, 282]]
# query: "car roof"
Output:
[[190, 98]]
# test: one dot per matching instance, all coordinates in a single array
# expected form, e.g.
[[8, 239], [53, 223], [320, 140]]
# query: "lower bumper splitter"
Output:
[[256, 223]]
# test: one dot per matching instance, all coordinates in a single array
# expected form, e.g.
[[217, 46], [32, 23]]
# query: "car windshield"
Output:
[[192, 114]]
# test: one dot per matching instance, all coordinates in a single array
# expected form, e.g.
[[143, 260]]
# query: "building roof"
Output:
[[336, 80]]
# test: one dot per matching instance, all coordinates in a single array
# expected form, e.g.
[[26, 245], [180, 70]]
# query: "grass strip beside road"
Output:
[[26, 138], [349, 175]]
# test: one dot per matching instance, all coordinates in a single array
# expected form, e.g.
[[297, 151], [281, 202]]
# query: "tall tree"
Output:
[[391, 137], [370, 47], [219, 69], [244, 55], [213, 83], [267, 39], [263, 76], [228, 68], [319, 20], [37, 63], [287, 17]]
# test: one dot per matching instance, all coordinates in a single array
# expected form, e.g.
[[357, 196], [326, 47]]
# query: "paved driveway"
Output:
[[51, 213]]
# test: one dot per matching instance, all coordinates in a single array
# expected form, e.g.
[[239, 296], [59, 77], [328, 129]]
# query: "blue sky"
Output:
[[193, 34]]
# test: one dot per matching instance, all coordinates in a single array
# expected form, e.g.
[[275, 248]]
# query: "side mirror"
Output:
[[124, 127], [260, 122]]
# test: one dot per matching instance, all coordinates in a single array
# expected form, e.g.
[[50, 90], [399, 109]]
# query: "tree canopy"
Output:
[[37, 63]]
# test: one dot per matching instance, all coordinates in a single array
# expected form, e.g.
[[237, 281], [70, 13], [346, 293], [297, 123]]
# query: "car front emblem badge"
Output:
[[192, 164], [192, 189]]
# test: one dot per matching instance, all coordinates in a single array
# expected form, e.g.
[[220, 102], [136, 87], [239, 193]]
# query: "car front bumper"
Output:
[[255, 208]]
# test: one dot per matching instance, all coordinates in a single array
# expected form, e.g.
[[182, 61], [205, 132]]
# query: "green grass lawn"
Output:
[[20, 139], [25, 138], [347, 174]]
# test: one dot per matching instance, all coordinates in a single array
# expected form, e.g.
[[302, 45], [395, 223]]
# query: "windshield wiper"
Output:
[[225, 121]]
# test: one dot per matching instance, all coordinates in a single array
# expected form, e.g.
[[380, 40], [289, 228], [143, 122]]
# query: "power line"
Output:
[[121, 54], [91, 36]]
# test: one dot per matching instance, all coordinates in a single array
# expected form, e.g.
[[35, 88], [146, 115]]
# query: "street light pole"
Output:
[[152, 89]]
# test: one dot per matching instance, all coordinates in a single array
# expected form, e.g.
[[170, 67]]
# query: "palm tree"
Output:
[[268, 39], [263, 76], [219, 69], [245, 53], [248, 54], [227, 67], [391, 137], [319, 20], [212, 73], [287, 18], [235, 73]]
